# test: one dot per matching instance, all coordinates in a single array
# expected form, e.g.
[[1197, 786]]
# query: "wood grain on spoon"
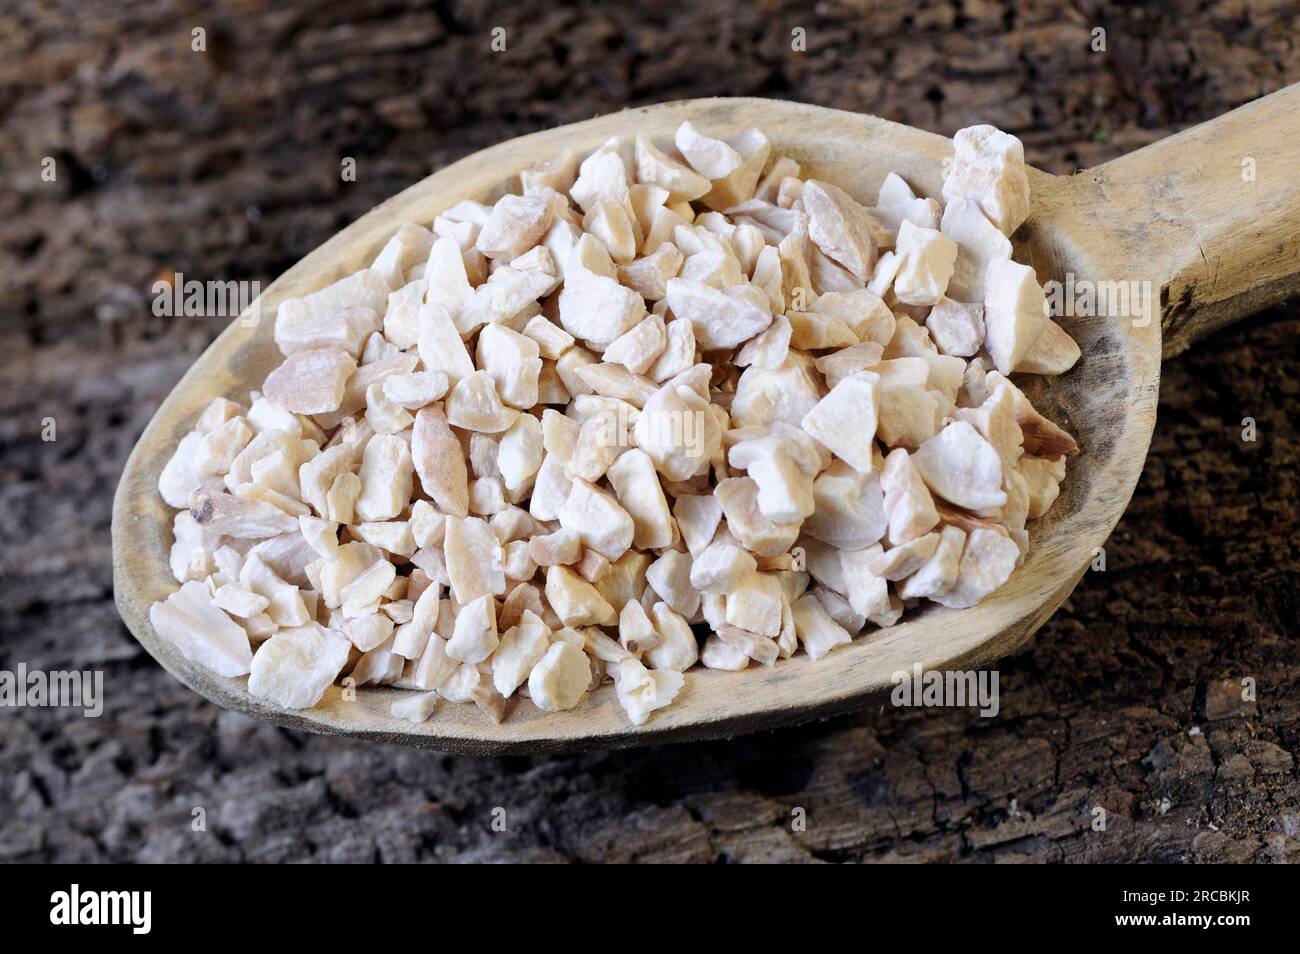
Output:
[[1178, 215]]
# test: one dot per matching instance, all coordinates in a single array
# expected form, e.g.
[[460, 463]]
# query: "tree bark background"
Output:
[[225, 164]]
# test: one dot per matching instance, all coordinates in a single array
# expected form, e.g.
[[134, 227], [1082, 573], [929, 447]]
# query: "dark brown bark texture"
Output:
[[225, 164]]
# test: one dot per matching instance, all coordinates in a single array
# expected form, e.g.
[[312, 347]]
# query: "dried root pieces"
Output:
[[671, 387]]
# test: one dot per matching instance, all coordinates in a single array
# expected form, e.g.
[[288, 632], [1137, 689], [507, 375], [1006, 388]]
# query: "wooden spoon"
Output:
[[1209, 218]]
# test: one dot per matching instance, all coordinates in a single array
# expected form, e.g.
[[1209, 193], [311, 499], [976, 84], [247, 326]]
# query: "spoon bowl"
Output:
[[1130, 220]]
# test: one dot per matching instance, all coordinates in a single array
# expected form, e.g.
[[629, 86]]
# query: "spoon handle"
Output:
[[1211, 216]]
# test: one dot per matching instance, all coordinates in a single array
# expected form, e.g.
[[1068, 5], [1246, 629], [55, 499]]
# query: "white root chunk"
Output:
[[201, 632], [962, 467], [845, 420], [295, 666], [560, 678]]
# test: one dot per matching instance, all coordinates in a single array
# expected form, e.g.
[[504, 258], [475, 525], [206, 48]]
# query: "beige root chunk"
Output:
[[382, 414], [1015, 313], [641, 691], [678, 431], [908, 503], [719, 654], [1055, 352], [616, 381], [386, 478], [561, 548], [576, 601], [440, 345], [391, 535], [786, 394], [311, 382], [368, 632], [721, 318], [995, 419], [679, 351], [624, 579], [637, 486], [754, 604], [815, 628], [957, 328], [593, 306], [364, 289], [711, 158], [475, 405], [556, 173], [434, 666], [768, 349], [361, 596], [417, 389], [612, 225], [897, 203], [635, 631], [738, 186], [638, 348], [720, 568], [598, 520], [905, 559], [927, 260], [560, 678], [516, 224], [219, 447], [200, 631], [849, 361], [845, 420], [986, 563], [739, 499], [656, 167], [978, 243], [761, 649], [1043, 482], [341, 498], [670, 577], [244, 518], [474, 637], [989, 167], [513, 361], [520, 453], [840, 227], [697, 516], [180, 475], [474, 559], [909, 415], [416, 707], [677, 648], [552, 340], [962, 467], [650, 274], [408, 247], [869, 595], [238, 600], [939, 572], [809, 332], [345, 328], [401, 322], [295, 666], [783, 462], [440, 462]]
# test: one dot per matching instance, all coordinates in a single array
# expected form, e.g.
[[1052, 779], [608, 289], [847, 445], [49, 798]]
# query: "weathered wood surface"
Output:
[[226, 165]]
